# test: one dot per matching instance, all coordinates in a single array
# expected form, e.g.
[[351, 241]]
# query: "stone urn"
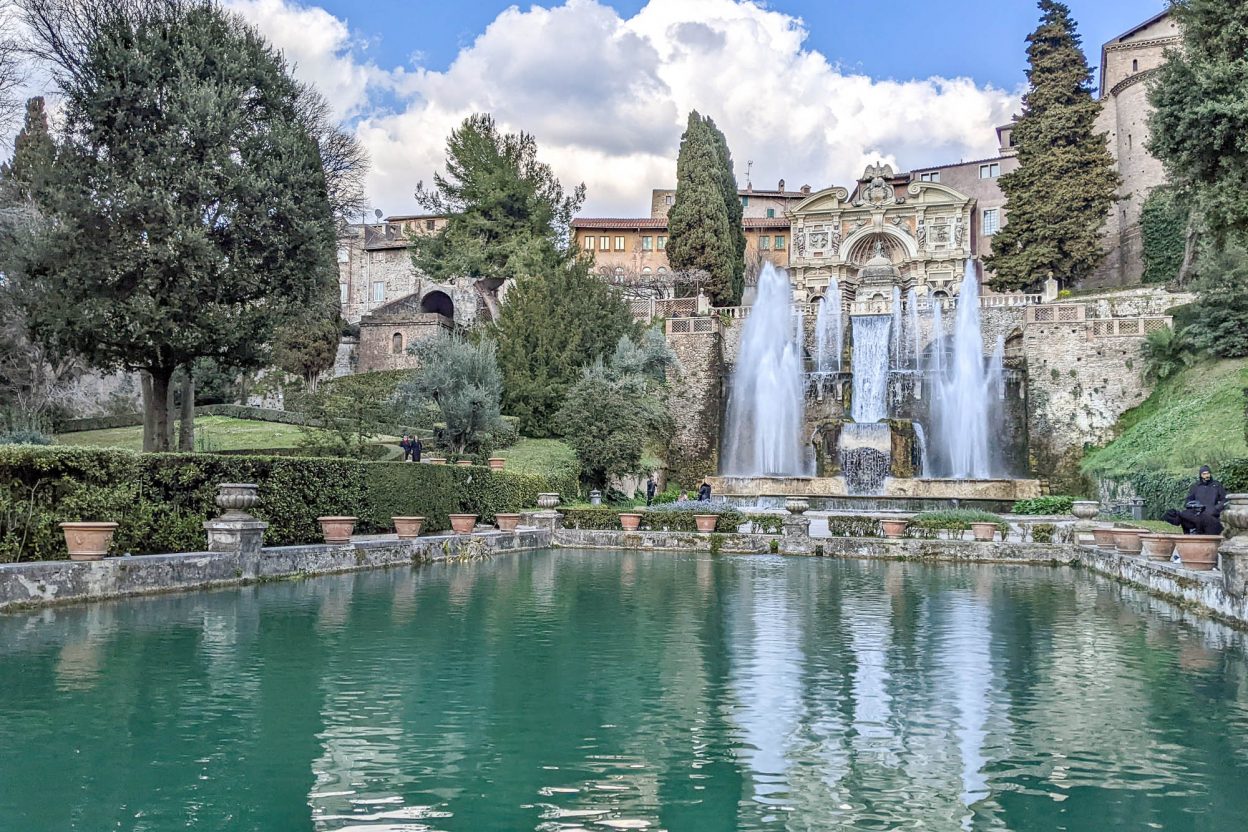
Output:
[[1103, 538], [1127, 541], [437, 460], [464, 463], [1157, 546], [547, 501], [1234, 550], [1199, 552], [88, 541], [796, 505], [237, 497], [408, 528], [496, 463], [984, 531], [337, 529], [463, 523], [506, 522], [1085, 509], [630, 521], [894, 528], [706, 522]]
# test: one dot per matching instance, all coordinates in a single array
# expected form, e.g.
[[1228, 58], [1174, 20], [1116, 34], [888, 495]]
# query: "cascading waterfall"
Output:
[[829, 337], [865, 443], [912, 308], [898, 359], [821, 338], [765, 401], [964, 396], [838, 327], [920, 440]]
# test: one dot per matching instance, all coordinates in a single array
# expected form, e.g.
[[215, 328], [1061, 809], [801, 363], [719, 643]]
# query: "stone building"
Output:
[[388, 331]]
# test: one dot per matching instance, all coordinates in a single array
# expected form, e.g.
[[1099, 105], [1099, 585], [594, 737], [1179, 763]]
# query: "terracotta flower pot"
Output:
[[507, 522], [894, 528], [1103, 538], [706, 522], [1199, 552], [463, 523], [437, 460], [1157, 546], [337, 529], [984, 531], [463, 463], [408, 528], [630, 521], [1127, 541], [88, 541], [496, 463]]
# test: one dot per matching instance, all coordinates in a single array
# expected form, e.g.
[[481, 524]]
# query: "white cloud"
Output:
[[607, 97]]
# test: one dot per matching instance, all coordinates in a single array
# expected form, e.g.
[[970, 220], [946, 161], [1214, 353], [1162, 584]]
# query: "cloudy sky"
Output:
[[809, 90]]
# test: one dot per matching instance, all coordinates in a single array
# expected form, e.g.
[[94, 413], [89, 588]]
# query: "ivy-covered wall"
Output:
[[1163, 230]]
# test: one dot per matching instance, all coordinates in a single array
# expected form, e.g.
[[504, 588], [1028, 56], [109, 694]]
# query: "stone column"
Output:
[[796, 525], [1234, 550], [235, 530]]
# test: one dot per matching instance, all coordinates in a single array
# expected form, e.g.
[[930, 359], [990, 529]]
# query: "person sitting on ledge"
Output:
[[1205, 501], [704, 492]]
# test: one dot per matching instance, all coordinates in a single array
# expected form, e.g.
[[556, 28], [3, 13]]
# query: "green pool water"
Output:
[[600, 690]]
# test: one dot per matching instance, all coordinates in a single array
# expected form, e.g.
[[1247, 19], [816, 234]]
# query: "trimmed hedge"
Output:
[[1054, 504], [234, 411], [162, 500], [608, 518]]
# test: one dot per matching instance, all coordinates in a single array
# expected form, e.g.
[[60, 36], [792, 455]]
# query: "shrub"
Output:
[[1044, 505], [1043, 532], [766, 523], [162, 500], [25, 437], [853, 526], [953, 520], [673, 517]]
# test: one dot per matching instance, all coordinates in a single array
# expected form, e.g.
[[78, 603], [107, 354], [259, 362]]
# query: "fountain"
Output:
[[829, 337], [765, 402]]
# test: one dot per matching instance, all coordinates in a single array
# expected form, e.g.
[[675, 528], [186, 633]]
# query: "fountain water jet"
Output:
[[964, 396], [763, 433]]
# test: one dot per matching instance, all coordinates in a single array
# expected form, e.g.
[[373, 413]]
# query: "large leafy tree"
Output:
[[700, 230], [1220, 314], [1059, 196], [187, 214], [552, 325], [1199, 124], [508, 216], [458, 384]]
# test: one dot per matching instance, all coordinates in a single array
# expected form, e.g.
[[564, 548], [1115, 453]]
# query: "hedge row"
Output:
[[607, 518], [162, 500], [236, 411]]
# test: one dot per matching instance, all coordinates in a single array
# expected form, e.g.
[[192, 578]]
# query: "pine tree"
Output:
[[699, 228], [1059, 196], [33, 154], [552, 325], [1199, 121]]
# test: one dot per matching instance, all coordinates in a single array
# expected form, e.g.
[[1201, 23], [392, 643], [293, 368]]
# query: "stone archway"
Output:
[[439, 303]]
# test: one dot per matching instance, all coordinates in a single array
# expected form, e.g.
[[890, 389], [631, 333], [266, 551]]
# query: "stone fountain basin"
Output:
[[1001, 490]]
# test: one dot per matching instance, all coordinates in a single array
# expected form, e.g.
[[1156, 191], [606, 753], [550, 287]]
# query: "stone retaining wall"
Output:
[[24, 585]]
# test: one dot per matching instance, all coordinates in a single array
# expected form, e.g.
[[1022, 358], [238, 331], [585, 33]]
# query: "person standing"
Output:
[[417, 449], [406, 444], [650, 489]]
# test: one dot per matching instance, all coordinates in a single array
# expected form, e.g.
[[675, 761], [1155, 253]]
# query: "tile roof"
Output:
[[626, 223]]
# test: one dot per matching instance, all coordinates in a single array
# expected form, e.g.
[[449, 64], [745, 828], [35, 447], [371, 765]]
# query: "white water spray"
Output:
[[912, 309], [898, 360], [765, 402], [964, 395]]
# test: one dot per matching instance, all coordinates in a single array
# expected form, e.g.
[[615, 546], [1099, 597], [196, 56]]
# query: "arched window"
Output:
[[619, 274], [396, 343], [1135, 65], [646, 271], [662, 270]]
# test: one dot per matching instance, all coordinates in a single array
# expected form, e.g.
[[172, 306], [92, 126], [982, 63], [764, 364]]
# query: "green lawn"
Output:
[[212, 433], [1194, 418], [547, 457]]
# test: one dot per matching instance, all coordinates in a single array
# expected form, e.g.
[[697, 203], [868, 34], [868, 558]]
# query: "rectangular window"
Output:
[[779, 242], [379, 291], [662, 243], [668, 199], [764, 242], [619, 243], [342, 293], [647, 243], [992, 221], [589, 242], [344, 255], [745, 201], [429, 225], [604, 243], [771, 213], [930, 176], [990, 171]]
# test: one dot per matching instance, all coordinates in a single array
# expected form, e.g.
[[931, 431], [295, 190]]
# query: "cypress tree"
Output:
[[1199, 121], [33, 154], [1059, 196], [699, 230], [732, 202]]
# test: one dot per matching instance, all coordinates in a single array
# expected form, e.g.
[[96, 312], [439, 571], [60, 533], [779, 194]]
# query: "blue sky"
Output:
[[902, 39]]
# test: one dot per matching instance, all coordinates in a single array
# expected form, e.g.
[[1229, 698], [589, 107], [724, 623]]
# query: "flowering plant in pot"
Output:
[[88, 540]]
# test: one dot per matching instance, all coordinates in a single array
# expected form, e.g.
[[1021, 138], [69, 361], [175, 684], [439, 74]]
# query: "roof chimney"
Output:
[[805, 189], [780, 187]]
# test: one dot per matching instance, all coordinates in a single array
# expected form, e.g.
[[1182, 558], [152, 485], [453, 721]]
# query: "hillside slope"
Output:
[[1192, 419]]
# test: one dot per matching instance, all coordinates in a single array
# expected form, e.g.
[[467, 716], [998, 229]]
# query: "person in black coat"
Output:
[[417, 449], [704, 492], [406, 444], [1205, 501], [651, 487]]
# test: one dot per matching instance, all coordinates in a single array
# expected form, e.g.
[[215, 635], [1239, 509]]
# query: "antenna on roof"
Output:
[[748, 184], [377, 213]]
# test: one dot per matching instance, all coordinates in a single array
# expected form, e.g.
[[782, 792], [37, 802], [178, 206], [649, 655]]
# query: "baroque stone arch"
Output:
[[439, 302], [896, 244]]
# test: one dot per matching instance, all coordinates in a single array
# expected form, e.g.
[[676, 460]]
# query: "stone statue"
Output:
[[799, 243], [957, 231], [922, 234], [834, 239]]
